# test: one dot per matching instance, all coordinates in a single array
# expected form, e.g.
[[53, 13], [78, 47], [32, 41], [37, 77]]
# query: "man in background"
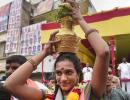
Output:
[[51, 82], [116, 82], [15, 61], [87, 73], [113, 92], [124, 74]]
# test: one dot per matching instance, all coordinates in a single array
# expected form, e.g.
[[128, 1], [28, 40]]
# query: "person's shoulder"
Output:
[[90, 68], [124, 94], [119, 66], [118, 93], [84, 68], [121, 93], [117, 90], [128, 63], [127, 96], [41, 86]]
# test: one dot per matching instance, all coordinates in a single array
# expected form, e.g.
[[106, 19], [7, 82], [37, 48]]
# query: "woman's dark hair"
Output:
[[74, 59]]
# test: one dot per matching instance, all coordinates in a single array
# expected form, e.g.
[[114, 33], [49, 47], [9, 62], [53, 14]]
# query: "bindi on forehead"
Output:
[[64, 69]]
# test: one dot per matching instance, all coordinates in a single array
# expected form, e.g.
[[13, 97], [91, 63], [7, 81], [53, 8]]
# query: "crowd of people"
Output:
[[70, 81]]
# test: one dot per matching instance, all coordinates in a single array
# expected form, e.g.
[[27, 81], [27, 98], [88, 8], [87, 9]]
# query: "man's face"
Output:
[[115, 82], [124, 60], [10, 68], [87, 64]]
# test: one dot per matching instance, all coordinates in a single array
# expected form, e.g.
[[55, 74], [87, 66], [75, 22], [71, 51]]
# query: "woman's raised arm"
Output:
[[16, 83], [100, 47]]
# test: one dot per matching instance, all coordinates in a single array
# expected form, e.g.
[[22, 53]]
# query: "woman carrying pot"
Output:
[[67, 69]]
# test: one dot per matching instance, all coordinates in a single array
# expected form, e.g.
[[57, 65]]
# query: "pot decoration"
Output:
[[69, 41]]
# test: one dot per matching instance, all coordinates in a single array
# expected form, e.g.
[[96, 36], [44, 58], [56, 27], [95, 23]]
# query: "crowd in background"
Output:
[[117, 86]]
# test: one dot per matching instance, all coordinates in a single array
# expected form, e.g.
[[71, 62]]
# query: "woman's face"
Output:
[[66, 75]]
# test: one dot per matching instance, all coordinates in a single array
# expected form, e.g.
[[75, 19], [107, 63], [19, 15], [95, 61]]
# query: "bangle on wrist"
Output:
[[34, 64], [90, 31]]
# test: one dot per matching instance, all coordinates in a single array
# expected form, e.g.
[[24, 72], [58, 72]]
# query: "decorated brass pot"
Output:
[[69, 40]]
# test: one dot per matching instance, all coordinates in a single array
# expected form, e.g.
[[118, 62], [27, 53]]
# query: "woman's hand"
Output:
[[75, 10], [49, 47]]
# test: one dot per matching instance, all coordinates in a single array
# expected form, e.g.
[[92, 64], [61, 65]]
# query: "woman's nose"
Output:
[[63, 77]]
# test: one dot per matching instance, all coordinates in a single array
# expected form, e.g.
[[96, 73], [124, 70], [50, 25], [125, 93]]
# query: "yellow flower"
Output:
[[47, 99], [73, 96]]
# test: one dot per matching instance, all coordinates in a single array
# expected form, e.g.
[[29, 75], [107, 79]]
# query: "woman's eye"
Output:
[[69, 73], [58, 73]]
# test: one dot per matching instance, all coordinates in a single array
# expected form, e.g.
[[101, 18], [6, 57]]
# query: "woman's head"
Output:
[[68, 71]]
